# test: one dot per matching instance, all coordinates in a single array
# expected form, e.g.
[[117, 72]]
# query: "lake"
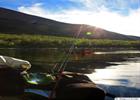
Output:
[[121, 80], [116, 71]]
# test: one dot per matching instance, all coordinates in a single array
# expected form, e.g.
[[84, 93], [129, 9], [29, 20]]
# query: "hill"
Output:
[[13, 22]]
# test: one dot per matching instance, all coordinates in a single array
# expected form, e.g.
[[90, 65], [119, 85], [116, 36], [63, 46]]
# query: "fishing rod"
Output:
[[64, 62], [66, 57]]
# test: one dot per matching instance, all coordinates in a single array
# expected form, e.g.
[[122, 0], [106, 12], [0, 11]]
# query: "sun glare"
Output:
[[103, 76]]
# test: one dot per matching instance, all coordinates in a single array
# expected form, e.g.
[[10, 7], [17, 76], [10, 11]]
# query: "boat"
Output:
[[15, 80]]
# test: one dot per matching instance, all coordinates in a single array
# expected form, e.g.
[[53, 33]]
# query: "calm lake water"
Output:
[[121, 80], [117, 72]]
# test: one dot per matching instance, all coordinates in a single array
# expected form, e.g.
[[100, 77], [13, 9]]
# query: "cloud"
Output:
[[119, 6], [103, 18], [92, 5], [35, 9]]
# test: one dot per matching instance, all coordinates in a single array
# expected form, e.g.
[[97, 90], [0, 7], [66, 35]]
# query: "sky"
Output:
[[121, 16]]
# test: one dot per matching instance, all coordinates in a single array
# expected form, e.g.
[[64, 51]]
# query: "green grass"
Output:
[[24, 40]]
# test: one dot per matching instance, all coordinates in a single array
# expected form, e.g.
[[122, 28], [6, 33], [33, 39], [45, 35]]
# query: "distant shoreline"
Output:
[[46, 41]]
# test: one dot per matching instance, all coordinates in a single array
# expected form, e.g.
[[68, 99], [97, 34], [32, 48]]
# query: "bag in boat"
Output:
[[11, 81], [14, 63]]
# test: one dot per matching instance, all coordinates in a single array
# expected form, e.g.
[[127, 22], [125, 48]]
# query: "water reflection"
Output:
[[117, 72], [121, 80], [120, 52], [127, 74], [43, 59]]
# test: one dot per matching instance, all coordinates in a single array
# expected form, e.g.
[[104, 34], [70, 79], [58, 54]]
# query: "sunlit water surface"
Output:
[[122, 80], [127, 74]]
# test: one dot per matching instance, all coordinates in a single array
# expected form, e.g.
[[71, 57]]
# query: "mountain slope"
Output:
[[16, 22]]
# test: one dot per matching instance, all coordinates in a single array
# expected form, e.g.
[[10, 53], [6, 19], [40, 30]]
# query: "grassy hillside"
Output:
[[34, 41], [13, 22]]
